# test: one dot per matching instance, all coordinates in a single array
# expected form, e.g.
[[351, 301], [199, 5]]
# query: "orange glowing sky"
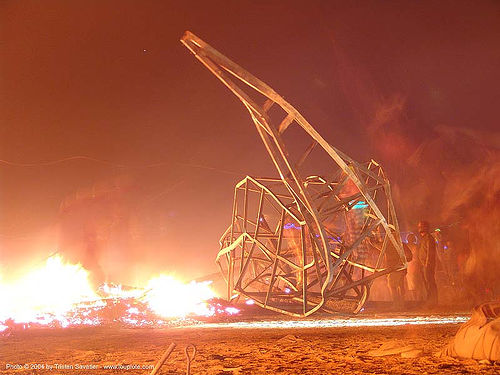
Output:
[[110, 80]]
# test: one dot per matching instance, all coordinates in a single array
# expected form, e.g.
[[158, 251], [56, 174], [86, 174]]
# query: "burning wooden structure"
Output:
[[303, 241]]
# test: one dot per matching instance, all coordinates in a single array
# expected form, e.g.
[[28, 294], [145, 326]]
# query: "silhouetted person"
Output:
[[414, 277], [396, 279], [427, 257], [451, 264]]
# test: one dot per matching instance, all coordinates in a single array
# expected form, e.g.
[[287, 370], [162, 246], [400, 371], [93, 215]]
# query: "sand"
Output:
[[355, 350]]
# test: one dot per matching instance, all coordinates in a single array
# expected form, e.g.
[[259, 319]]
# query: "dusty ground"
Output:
[[234, 351]]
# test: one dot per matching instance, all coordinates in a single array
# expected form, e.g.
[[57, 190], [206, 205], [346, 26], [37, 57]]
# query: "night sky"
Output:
[[110, 81]]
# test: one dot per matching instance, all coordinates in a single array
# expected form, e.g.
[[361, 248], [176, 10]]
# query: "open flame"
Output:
[[169, 297], [59, 293], [45, 294]]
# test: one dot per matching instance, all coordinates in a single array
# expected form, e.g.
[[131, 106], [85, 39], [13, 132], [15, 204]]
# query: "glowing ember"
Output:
[[117, 291], [231, 310], [59, 294]]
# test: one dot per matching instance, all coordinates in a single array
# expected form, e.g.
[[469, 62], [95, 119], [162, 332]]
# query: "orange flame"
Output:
[[49, 291], [169, 297], [52, 293]]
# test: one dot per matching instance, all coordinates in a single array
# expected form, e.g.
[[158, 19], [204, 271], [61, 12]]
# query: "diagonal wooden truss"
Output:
[[303, 241]]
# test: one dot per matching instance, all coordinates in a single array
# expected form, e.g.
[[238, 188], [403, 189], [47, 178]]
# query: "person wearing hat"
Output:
[[427, 257]]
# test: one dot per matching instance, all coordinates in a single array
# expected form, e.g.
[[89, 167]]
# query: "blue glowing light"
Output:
[[359, 205], [335, 239], [291, 226]]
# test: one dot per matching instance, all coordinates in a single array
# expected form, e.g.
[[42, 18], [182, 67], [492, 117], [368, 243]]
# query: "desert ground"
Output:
[[226, 350]]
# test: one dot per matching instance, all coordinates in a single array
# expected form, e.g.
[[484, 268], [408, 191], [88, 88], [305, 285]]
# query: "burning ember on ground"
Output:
[[341, 322], [59, 294]]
